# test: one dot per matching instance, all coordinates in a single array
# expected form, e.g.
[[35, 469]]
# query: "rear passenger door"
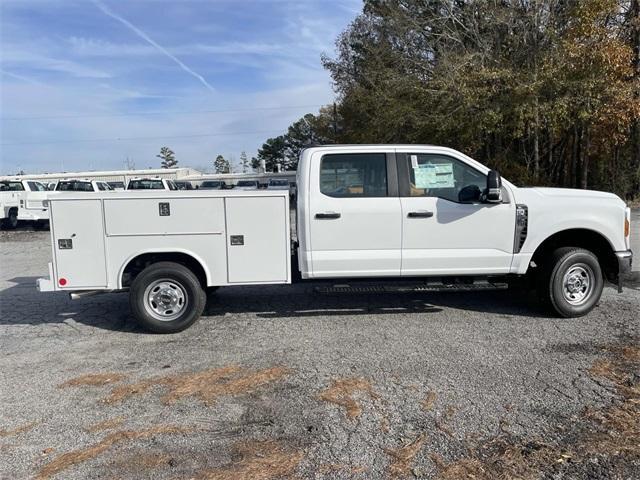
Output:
[[354, 215]]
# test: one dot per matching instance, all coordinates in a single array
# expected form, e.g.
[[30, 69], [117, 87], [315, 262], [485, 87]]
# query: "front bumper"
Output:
[[625, 259]]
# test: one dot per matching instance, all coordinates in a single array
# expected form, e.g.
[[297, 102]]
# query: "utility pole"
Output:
[[335, 123]]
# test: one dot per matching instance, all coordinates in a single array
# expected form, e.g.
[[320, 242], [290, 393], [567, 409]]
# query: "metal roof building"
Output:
[[109, 175]]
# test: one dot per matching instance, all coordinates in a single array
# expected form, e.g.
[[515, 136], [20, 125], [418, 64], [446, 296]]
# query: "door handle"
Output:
[[422, 214], [327, 215]]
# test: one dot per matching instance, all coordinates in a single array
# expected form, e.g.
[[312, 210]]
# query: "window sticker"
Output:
[[414, 161], [431, 175]]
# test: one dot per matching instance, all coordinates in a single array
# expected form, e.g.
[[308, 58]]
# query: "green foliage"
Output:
[[307, 131], [167, 157], [221, 165], [546, 91]]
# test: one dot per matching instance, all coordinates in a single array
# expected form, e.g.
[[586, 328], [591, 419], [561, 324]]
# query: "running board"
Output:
[[418, 287]]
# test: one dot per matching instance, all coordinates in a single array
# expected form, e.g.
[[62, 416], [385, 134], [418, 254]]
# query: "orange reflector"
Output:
[[62, 282], [626, 227]]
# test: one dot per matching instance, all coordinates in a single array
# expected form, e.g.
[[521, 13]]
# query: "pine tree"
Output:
[[244, 162], [168, 158], [221, 165]]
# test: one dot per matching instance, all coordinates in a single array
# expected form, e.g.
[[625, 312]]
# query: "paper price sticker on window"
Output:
[[431, 175]]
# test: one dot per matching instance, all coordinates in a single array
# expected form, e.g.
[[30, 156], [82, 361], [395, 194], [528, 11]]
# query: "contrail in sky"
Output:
[[146, 38]]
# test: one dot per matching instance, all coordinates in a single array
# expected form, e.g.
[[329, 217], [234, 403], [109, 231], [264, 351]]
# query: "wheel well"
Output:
[[139, 263], [581, 238]]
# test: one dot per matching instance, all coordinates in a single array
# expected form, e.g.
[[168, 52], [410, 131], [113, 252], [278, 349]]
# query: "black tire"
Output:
[[178, 281], [11, 221], [571, 282], [41, 224]]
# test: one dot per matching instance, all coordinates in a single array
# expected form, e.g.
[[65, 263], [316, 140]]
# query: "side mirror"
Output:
[[493, 192], [469, 194]]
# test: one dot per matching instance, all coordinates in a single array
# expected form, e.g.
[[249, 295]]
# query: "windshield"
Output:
[[74, 186], [246, 183], [145, 184], [11, 186]]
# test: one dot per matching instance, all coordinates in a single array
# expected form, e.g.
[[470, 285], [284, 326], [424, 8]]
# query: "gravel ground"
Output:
[[280, 381]]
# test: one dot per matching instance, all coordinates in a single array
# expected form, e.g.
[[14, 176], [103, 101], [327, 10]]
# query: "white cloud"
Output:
[[15, 57]]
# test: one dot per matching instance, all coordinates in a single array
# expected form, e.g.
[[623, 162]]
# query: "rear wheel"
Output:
[[572, 282], [166, 297], [41, 224], [11, 221]]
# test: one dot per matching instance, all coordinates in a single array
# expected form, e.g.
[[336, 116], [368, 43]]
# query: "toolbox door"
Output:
[[78, 236], [257, 239]]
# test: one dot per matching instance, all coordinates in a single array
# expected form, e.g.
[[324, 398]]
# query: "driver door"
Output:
[[445, 232]]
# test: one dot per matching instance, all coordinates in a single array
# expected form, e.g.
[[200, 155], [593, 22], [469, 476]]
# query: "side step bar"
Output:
[[482, 285]]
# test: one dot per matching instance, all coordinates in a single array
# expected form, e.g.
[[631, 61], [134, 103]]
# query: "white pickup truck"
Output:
[[408, 217], [22, 200]]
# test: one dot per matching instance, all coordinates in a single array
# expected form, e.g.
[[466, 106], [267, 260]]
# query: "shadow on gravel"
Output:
[[23, 304], [303, 301]]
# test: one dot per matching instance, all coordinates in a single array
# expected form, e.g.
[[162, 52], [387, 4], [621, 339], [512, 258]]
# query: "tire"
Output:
[[166, 297], [41, 225], [11, 221], [571, 283]]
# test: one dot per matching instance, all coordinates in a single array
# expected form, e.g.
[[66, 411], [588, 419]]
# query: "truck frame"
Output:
[[405, 216]]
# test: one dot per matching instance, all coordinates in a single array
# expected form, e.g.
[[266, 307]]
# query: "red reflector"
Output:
[[62, 281]]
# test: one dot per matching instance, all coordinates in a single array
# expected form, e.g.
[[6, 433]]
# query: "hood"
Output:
[[572, 193]]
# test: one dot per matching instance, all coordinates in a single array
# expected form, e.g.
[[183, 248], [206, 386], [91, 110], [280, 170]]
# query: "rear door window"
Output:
[[354, 175], [11, 186]]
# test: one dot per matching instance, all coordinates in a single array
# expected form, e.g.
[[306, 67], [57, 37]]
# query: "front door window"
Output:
[[441, 176]]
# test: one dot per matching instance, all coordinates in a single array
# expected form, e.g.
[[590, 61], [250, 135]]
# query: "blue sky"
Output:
[[219, 77]]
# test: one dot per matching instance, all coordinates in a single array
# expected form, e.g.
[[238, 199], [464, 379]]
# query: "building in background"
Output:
[[110, 176]]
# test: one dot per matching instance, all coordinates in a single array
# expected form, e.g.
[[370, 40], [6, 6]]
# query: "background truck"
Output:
[[151, 184], [82, 185], [23, 200], [401, 216]]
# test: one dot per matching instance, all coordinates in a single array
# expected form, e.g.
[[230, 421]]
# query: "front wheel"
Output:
[[166, 297], [572, 283]]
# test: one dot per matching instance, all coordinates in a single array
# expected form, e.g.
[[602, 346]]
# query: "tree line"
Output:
[[220, 164], [547, 92]]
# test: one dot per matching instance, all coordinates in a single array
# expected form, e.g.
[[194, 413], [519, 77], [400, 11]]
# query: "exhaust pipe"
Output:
[[89, 293]]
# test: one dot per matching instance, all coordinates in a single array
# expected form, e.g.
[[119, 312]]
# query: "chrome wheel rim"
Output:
[[165, 299], [577, 284]]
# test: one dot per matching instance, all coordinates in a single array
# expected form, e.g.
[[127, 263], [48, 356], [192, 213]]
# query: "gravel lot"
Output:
[[275, 382]]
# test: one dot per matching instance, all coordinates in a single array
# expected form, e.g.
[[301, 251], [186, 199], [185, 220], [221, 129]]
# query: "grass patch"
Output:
[[207, 385], [257, 460], [342, 393], [402, 457], [67, 460]]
